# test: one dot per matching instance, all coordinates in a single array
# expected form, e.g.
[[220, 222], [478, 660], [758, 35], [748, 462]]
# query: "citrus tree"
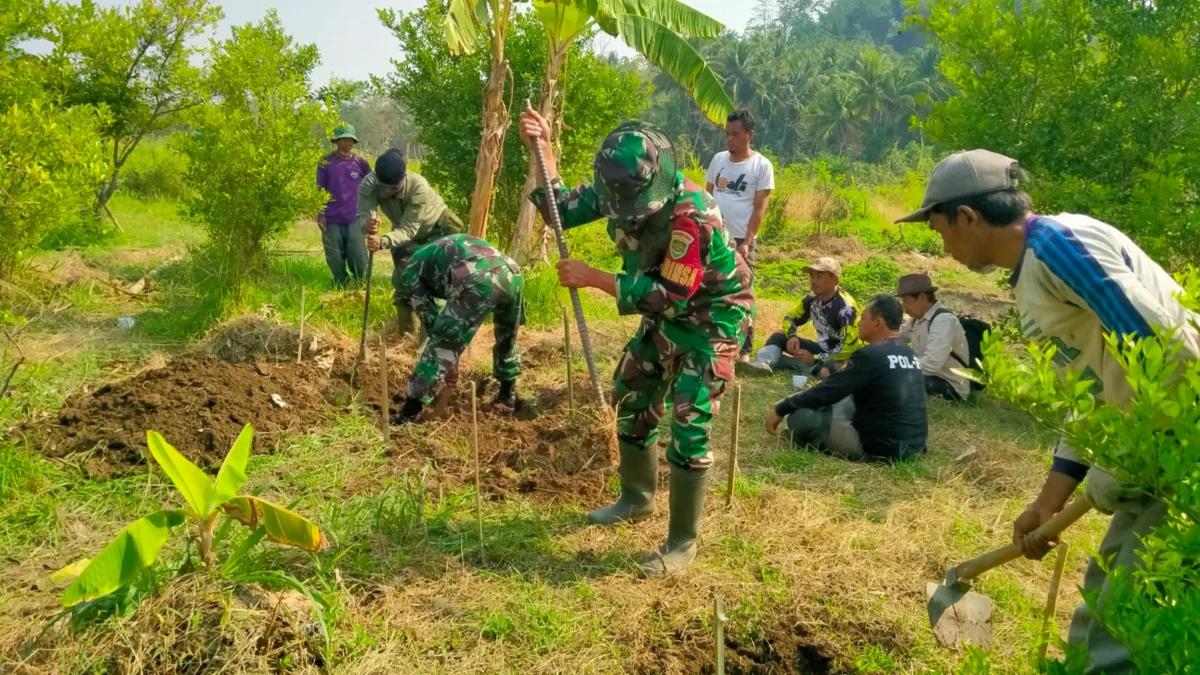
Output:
[[50, 154], [136, 61], [251, 157], [1060, 85], [1152, 444]]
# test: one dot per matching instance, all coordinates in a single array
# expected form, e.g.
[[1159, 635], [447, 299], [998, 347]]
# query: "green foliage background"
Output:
[[445, 97]]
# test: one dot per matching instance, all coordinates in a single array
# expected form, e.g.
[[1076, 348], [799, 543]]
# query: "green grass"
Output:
[[152, 223], [407, 581]]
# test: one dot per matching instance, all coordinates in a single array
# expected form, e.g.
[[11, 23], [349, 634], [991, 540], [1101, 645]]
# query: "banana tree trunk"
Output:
[[491, 144], [528, 243]]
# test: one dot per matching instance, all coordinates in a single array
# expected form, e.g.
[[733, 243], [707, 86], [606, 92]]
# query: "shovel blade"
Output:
[[959, 617]]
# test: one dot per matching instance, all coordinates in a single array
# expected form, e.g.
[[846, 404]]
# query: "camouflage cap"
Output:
[[634, 171], [344, 130]]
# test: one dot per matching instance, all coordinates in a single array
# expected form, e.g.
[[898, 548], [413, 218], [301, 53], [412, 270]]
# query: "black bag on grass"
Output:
[[974, 330]]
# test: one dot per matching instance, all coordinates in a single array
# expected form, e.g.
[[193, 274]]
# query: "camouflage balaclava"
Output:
[[634, 171]]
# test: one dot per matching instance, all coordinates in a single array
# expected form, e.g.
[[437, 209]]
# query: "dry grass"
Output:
[[822, 564]]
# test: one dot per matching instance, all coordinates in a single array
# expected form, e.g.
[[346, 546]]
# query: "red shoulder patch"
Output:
[[681, 269]]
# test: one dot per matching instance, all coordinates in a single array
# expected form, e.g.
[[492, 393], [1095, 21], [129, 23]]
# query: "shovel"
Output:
[[362, 341], [959, 616]]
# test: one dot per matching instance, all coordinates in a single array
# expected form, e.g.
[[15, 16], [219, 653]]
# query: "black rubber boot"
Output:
[[687, 505], [409, 411], [507, 395], [639, 478]]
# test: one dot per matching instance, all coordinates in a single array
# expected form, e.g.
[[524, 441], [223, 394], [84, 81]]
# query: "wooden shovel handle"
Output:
[[972, 568]]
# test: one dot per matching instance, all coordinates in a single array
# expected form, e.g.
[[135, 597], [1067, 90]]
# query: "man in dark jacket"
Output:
[[873, 409]]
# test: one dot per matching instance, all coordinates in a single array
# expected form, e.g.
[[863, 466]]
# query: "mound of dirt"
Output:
[[539, 450], [254, 338], [199, 404]]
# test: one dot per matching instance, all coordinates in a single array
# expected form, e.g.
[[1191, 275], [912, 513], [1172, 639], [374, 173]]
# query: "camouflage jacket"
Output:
[[679, 266], [415, 211], [437, 267]]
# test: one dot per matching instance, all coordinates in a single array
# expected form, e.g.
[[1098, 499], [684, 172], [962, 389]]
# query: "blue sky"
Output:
[[354, 45]]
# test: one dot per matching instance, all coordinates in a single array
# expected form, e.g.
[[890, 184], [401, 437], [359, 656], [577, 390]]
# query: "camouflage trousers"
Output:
[[406, 320], [693, 370], [466, 309]]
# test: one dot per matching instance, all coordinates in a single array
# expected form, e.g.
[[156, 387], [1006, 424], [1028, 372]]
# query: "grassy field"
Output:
[[822, 565]]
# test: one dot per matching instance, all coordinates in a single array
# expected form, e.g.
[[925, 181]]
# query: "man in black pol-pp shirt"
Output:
[[873, 410]]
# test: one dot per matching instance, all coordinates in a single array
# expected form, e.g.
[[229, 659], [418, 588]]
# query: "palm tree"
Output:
[[467, 25], [903, 90], [833, 119], [870, 75], [656, 29]]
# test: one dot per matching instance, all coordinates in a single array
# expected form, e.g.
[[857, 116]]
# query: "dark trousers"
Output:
[[936, 386], [751, 258], [345, 249]]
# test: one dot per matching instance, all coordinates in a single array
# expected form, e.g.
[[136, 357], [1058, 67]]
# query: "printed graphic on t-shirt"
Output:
[[901, 361], [739, 186]]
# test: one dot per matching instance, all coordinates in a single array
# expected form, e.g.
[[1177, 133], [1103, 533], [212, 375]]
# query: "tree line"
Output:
[[845, 77]]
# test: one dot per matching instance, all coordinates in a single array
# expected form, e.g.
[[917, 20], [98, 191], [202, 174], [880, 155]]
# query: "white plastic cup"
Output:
[[798, 381]]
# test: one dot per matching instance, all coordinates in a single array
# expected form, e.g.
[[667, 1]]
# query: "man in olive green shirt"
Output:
[[417, 213]]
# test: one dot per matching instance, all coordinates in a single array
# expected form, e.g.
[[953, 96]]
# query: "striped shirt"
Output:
[[1080, 280]]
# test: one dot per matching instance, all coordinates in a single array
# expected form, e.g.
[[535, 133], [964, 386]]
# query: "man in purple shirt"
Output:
[[339, 174]]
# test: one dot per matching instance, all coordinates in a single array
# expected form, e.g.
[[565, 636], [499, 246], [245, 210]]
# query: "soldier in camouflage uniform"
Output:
[[681, 272], [417, 212], [474, 279]]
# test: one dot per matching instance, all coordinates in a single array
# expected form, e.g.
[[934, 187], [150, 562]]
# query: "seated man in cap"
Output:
[[833, 313], [474, 279], [936, 336], [871, 410], [417, 212]]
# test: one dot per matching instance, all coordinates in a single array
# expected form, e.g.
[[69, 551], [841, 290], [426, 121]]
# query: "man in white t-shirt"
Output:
[[741, 180]]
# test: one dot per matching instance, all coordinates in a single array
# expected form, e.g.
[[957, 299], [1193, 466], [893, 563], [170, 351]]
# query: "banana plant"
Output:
[[470, 23], [138, 545], [656, 29]]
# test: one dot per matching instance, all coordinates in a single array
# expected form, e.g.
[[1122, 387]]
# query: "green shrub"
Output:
[[874, 275], [155, 171], [50, 164], [781, 280], [1153, 444], [252, 157]]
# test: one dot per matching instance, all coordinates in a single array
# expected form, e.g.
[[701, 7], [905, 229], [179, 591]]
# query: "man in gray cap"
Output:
[[1076, 281], [936, 336]]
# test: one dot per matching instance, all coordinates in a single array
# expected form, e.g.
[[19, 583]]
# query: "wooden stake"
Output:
[[733, 443], [300, 347], [570, 373], [1052, 597], [385, 403], [475, 446], [719, 620]]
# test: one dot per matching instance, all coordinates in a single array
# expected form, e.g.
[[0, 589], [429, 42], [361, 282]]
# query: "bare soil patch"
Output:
[[198, 403], [794, 646]]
